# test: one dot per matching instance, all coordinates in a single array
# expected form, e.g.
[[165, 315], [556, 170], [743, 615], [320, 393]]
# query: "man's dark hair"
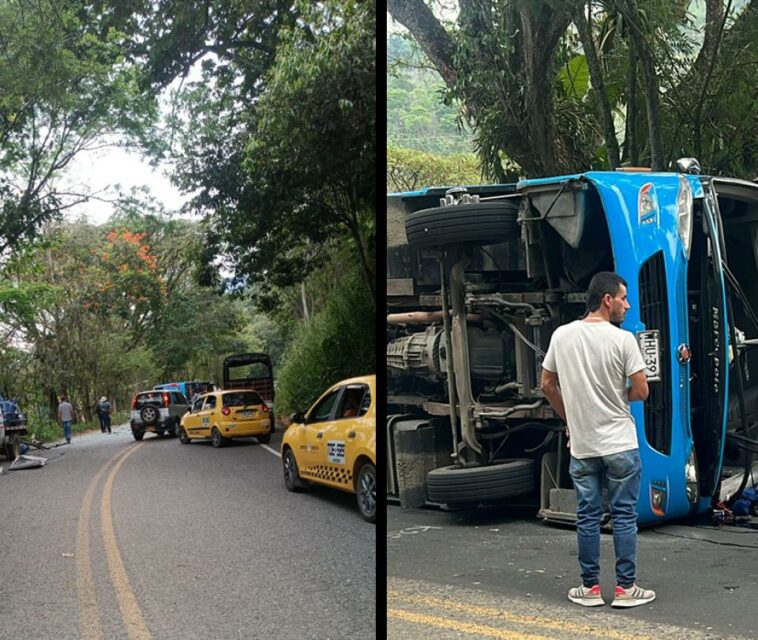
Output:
[[603, 282]]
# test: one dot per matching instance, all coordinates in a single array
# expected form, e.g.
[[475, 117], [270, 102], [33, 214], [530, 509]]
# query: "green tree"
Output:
[[282, 161], [322, 178], [417, 115], [65, 86], [110, 310], [338, 342], [566, 86], [408, 169]]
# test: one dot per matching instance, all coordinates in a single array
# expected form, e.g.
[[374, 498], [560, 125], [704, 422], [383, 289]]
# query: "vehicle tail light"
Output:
[[226, 411], [165, 399], [265, 408], [134, 403]]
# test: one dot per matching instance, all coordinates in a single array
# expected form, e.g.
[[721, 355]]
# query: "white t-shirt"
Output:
[[593, 361], [66, 412]]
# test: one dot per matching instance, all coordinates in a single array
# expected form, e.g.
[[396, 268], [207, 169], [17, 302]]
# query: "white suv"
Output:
[[157, 411]]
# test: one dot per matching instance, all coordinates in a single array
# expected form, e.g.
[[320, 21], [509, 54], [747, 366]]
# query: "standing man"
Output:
[[584, 376], [66, 417], [104, 413]]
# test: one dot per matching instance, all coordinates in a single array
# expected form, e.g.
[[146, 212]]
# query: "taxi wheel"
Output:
[[264, 439], [291, 474], [183, 436], [217, 439], [366, 492]]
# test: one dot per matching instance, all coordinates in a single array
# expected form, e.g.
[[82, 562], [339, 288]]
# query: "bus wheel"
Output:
[[480, 223], [508, 478]]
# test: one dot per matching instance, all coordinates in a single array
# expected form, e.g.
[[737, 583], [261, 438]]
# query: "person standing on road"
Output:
[[584, 377], [104, 413], [66, 417]]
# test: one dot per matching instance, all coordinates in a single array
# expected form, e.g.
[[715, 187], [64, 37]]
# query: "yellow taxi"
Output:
[[334, 443], [223, 415]]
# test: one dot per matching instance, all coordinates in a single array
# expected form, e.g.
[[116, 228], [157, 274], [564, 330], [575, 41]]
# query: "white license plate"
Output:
[[650, 346], [246, 414]]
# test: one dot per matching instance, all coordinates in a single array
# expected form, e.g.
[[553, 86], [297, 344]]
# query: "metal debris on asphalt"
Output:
[[27, 462]]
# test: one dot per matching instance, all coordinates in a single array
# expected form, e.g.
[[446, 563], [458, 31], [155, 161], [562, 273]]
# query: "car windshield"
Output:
[[241, 399]]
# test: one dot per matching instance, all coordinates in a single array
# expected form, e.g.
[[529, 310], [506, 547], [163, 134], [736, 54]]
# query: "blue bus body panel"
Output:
[[633, 243], [634, 240]]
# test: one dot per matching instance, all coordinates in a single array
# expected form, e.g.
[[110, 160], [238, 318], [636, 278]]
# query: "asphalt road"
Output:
[[118, 539], [486, 574]]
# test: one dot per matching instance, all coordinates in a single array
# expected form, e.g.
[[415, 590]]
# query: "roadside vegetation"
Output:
[[549, 88], [270, 130]]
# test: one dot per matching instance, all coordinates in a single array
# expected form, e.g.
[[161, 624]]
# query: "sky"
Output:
[[103, 169]]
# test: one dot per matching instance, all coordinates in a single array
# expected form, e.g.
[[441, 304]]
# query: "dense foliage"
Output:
[[565, 86], [110, 310], [317, 356], [64, 86], [408, 169], [417, 116], [278, 179]]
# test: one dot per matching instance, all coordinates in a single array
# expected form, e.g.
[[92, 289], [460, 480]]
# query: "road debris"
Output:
[[27, 462]]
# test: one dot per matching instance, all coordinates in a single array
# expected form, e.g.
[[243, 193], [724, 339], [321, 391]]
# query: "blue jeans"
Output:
[[622, 472], [67, 429]]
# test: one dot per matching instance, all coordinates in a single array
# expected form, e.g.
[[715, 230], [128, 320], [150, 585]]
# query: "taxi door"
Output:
[[207, 416], [345, 434], [193, 423], [312, 455]]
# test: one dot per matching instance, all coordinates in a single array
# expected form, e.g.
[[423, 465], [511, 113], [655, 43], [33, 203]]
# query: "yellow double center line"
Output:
[[487, 631], [89, 621]]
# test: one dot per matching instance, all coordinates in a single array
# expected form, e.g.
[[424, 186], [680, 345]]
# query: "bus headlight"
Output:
[[684, 213], [690, 475]]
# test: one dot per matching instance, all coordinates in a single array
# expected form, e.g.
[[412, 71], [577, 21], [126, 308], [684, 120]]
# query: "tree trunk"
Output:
[[715, 20], [631, 146], [306, 316], [539, 103], [584, 26], [652, 97], [366, 267], [431, 36]]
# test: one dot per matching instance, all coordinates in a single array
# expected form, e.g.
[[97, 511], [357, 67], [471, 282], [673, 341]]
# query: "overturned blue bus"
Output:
[[479, 277], [190, 388]]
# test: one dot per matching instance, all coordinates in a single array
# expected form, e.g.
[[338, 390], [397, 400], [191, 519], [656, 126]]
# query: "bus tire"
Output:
[[481, 223], [507, 479]]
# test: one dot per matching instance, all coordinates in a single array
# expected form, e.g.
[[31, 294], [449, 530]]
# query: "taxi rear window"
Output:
[[242, 399]]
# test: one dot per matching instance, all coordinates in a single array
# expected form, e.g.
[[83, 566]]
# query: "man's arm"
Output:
[[639, 389], [552, 391]]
